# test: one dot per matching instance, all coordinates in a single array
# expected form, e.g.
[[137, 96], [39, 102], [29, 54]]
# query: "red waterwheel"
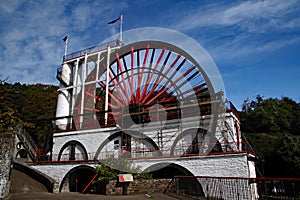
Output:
[[148, 82]]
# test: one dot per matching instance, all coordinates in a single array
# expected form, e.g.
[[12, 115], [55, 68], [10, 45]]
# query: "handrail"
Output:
[[135, 154], [91, 49], [166, 189], [89, 184], [27, 141], [235, 187]]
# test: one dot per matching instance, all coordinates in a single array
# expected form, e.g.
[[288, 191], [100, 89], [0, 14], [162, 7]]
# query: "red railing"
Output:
[[135, 153], [231, 108]]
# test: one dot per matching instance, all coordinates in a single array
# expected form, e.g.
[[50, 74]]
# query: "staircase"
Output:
[[27, 141]]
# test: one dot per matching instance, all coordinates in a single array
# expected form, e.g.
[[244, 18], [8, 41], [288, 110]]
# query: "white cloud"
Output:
[[10, 6], [82, 16], [266, 13], [31, 34], [242, 28], [241, 50]]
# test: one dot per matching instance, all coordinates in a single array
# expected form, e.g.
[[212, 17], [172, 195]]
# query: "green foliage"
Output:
[[106, 173], [273, 128], [8, 109], [264, 144], [110, 169], [279, 154], [31, 105], [38, 108], [289, 155], [275, 116]]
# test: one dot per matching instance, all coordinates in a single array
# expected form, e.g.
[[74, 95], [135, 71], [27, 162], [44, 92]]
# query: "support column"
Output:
[[107, 85]]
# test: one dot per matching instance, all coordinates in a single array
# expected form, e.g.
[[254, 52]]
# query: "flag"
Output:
[[114, 21], [65, 39]]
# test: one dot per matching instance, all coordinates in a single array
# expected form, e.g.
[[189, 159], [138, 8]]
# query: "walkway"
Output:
[[25, 188], [77, 196]]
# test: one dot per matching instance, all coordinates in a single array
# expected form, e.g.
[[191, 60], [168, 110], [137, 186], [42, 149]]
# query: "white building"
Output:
[[158, 100]]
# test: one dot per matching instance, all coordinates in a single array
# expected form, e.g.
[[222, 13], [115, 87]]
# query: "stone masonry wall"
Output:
[[139, 186], [6, 152]]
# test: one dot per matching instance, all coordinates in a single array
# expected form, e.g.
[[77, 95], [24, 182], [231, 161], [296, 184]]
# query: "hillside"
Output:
[[32, 105]]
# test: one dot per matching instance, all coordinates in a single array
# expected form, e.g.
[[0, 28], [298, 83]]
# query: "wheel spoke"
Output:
[[127, 75], [148, 75], [91, 109], [150, 79], [101, 99], [118, 90], [123, 79], [132, 75], [142, 74], [170, 85]]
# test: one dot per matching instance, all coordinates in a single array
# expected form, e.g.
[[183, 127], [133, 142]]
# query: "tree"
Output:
[[288, 154], [273, 127], [39, 108], [275, 116], [31, 105], [294, 116], [8, 115], [110, 168]]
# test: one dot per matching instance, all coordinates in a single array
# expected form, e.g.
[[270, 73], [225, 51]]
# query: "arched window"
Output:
[[72, 150]]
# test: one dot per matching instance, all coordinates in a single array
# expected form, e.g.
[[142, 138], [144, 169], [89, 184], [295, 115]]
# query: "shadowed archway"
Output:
[[77, 179], [189, 185]]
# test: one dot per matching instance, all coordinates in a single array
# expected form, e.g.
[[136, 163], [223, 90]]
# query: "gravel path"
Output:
[[24, 187]]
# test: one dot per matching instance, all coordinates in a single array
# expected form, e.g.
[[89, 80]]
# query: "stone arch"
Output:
[[189, 184], [77, 179], [197, 136], [133, 134], [22, 153], [167, 170], [71, 147]]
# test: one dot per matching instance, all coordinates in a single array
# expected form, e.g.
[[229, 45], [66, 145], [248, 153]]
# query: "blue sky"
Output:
[[255, 44]]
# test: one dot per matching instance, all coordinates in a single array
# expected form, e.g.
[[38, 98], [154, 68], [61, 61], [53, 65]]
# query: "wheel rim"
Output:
[[152, 86], [148, 77]]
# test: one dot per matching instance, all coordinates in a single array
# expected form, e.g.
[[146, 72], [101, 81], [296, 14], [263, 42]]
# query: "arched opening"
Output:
[[188, 184], [189, 142], [127, 144], [192, 142], [77, 179], [167, 170], [73, 150], [22, 153]]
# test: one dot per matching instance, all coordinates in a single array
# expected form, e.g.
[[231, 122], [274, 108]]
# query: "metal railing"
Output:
[[135, 153], [93, 49], [27, 141], [204, 187]]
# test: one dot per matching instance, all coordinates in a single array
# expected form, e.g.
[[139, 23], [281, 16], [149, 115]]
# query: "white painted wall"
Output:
[[230, 165]]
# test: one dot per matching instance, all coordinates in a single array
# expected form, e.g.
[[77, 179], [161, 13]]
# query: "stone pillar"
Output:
[[6, 152]]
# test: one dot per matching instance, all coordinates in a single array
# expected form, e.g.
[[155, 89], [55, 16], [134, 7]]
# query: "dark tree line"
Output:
[[273, 128], [274, 116]]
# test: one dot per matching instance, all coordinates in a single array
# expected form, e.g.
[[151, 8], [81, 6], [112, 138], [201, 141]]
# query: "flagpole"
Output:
[[107, 86], [66, 39], [66, 47], [121, 23]]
